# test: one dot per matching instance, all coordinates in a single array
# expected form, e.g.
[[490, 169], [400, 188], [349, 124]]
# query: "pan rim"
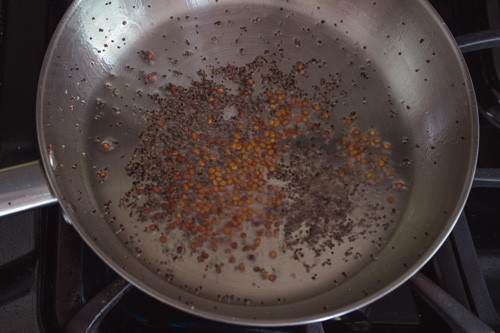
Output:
[[321, 316]]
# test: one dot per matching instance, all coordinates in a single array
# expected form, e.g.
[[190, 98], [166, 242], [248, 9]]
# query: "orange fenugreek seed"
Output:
[[399, 185], [149, 56]]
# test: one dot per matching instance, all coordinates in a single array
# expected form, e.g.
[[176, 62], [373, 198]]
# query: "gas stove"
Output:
[[50, 281]]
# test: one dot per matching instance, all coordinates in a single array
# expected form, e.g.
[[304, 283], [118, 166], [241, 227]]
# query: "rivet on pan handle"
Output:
[[24, 187]]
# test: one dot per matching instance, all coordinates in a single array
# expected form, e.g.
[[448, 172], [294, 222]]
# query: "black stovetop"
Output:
[[47, 273]]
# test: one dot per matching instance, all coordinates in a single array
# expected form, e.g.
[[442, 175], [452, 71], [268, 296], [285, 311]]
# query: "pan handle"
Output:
[[24, 187], [480, 40]]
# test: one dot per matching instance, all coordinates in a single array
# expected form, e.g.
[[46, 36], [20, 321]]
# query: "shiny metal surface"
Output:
[[417, 94], [24, 187]]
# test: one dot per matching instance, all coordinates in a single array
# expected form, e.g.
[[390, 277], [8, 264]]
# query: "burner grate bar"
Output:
[[487, 177], [467, 257]]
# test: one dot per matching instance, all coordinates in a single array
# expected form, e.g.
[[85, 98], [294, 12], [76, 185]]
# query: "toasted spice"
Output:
[[233, 183]]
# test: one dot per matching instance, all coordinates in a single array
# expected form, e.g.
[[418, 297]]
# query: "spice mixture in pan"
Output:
[[245, 157]]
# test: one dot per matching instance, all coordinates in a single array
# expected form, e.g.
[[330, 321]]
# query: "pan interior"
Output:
[[236, 35], [389, 67]]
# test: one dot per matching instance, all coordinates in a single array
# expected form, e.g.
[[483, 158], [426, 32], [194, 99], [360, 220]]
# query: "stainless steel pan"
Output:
[[415, 91]]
